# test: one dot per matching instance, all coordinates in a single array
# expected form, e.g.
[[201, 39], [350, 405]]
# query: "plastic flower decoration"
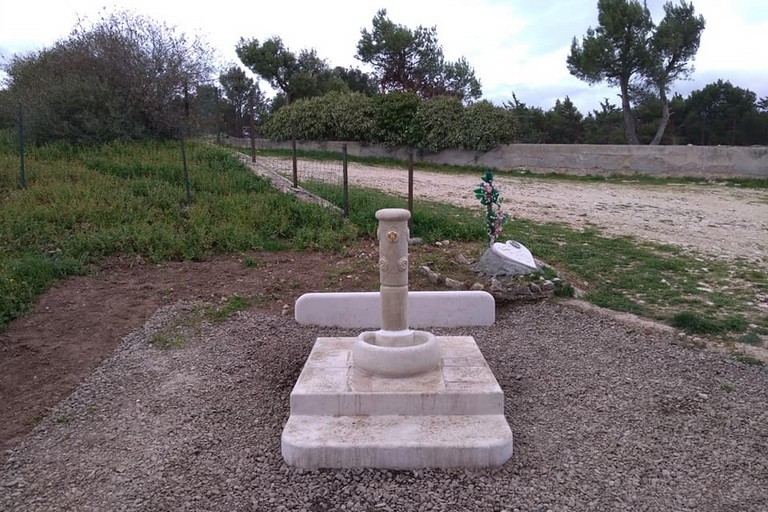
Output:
[[489, 197]]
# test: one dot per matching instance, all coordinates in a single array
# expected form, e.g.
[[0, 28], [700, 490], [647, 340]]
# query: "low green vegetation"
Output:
[[697, 294], [230, 307], [167, 340], [82, 204], [175, 334], [747, 359], [695, 322]]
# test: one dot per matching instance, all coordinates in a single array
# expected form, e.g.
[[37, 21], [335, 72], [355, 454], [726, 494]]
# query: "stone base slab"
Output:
[[396, 442], [362, 310], [452, 416]]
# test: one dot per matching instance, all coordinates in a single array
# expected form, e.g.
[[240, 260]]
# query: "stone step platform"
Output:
[[452, 416], [396, 442], [462, 384]]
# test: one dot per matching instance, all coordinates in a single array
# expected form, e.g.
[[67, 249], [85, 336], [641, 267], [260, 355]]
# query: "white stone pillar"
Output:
[[393, 274]]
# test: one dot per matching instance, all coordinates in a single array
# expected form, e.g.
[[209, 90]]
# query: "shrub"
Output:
[[486, 127], [395, 119], [440, 119]]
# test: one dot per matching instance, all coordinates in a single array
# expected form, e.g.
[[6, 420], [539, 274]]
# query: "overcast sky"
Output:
[[515, 46]]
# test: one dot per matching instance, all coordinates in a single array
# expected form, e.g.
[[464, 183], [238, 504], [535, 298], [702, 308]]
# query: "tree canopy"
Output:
[[627, 49], [242, 97], [301, 75], [412, 61], [125, 76]]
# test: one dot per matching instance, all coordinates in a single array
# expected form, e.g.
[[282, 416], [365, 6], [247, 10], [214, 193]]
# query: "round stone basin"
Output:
[[420, 355]]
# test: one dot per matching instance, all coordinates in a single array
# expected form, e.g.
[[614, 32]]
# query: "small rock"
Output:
[[462, 260], [432, 276], [454, 284], [477, 287], [496, 285]]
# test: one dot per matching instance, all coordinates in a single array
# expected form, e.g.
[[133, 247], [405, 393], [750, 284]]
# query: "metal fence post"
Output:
[[293, 155], [186, 169], [22, 177], [410, 191], [251, 127], [345, 182]]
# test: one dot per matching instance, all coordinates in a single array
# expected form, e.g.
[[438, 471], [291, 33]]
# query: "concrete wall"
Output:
[[697, 161]]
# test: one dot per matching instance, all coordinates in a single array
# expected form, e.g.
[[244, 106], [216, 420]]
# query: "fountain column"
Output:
[[395, 350], [393, 275]]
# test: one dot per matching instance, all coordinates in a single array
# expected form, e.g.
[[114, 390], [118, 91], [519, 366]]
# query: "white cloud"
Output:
[[514, 45]]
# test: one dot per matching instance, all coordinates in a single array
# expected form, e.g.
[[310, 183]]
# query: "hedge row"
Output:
[[395, 119]]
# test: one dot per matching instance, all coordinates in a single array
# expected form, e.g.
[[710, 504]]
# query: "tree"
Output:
[[615, 52], [720, 114], [604, 126], [530, 122], [237, 89], [413, 61], [295, 76], [673, 46], [564, 123], [356, 80], [125, 76], [301, 75], [244, 99], [627, 49], [762, 104]]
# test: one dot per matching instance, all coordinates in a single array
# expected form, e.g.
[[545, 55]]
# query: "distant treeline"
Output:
[[128, 77], [718, 114]]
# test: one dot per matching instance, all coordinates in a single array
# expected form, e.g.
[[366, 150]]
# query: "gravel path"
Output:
[[605, 418]]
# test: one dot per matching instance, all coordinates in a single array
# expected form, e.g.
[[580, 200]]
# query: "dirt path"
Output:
[[719, 221]]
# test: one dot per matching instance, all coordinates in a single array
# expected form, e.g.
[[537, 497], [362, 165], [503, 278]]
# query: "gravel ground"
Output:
[[605, 417]]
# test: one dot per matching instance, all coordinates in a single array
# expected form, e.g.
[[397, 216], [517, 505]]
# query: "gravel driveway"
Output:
[[605, 418], [716, 220]]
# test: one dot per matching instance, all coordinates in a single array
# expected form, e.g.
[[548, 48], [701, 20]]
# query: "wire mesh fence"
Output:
[[326, 177]]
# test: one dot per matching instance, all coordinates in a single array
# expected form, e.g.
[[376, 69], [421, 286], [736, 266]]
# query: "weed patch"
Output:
[[747, 359], [693, 322], [82, 204], [166, 340], [233, 305]]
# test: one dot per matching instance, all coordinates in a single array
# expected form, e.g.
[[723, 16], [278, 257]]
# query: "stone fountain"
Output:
[[396, 397]]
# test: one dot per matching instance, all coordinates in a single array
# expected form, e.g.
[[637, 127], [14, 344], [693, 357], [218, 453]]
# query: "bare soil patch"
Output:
[[78, 322]]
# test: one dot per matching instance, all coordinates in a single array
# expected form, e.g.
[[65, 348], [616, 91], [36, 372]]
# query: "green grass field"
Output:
[[84, 204]]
